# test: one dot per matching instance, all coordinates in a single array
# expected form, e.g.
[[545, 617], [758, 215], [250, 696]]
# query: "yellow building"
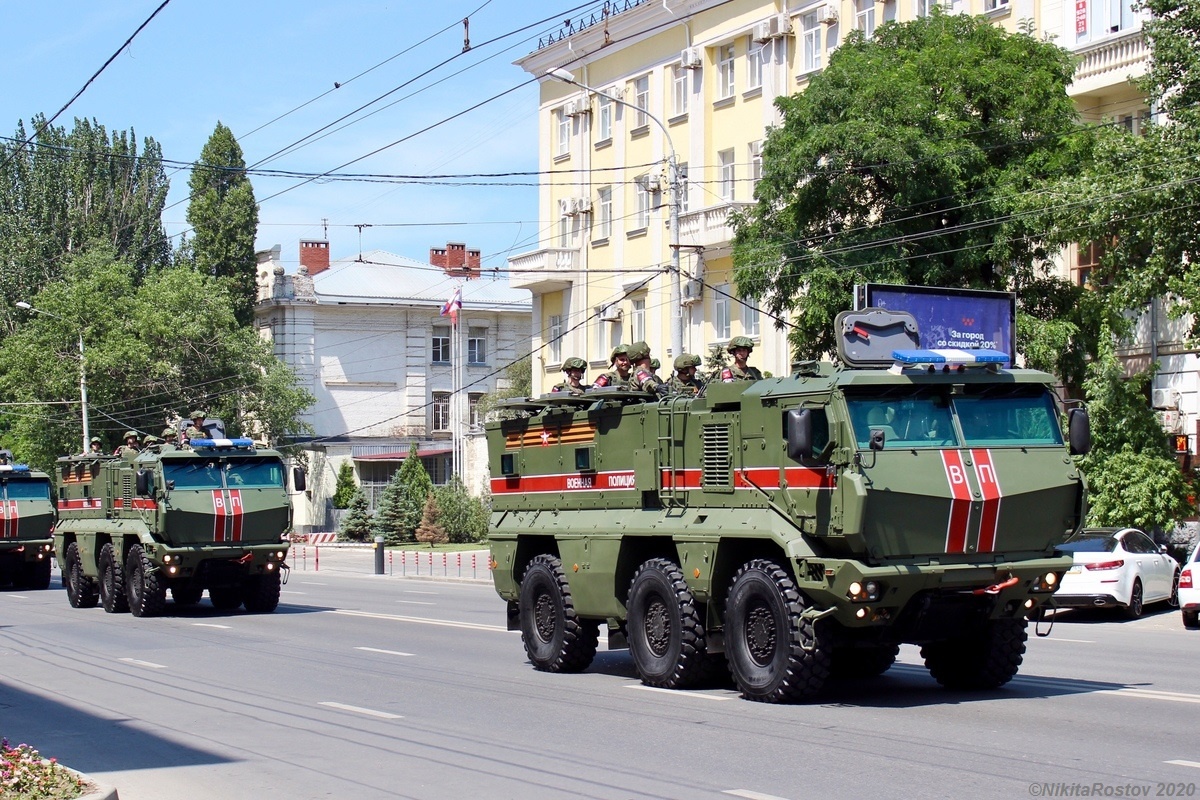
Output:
[[696, 81]]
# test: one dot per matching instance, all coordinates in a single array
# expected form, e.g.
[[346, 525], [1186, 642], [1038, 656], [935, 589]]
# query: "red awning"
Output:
[[400, 456]]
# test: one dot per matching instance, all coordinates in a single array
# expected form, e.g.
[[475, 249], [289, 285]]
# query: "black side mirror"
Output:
[[799, 434], [878, 439], [1079, 431], [298, 479], [145, 482]]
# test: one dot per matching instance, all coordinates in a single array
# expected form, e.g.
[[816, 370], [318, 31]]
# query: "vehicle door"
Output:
[[1152, 566]]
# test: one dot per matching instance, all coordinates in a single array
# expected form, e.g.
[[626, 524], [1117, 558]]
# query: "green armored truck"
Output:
[[26, 525], [211, 516], [792, 529]]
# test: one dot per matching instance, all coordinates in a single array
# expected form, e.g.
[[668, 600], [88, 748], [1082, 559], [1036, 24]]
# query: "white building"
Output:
[[367, 338]]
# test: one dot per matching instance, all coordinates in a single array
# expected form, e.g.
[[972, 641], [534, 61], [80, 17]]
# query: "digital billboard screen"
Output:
[[968, 319]]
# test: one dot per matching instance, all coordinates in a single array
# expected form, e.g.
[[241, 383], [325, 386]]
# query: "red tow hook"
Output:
[[997, 588], [246, 559]]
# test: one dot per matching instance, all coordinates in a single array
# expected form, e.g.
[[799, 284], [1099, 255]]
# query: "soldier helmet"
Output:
[[97, 440], [150, 439], [574, 362], [130, 435], [687, 360], [739, 341], [168, 433], [655, 363], [619, 350], [638, 351], [199, 413]]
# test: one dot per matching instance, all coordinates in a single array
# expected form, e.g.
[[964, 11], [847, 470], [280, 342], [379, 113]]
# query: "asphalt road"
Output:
[[386, 687]]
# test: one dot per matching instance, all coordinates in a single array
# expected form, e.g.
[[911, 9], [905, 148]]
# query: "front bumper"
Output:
[[27, 550], [186, 562]]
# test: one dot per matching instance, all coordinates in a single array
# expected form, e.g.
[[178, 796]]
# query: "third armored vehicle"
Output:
[[26, 523]]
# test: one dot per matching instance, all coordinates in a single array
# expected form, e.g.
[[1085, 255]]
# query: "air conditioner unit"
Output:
[[690, 58], [583, 205], [692, 291], [574, 108], [1165, 398], [828, 14], [781, 25], [1170, 421], [610, 313], [566, 207], [762, 32]]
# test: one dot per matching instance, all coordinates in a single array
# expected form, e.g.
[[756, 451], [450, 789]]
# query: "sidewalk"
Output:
[[359, 559]]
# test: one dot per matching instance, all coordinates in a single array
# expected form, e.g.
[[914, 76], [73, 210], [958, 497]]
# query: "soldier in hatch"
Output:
[[573, 367], [617, 377], [684, 381], [96, 447], [740, 348], [130, 443], [644, 379]]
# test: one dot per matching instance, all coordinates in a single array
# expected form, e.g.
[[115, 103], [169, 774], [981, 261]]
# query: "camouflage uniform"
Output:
[[692, 385], [733, 372], [644, 379], [613, 379], [567, 386]]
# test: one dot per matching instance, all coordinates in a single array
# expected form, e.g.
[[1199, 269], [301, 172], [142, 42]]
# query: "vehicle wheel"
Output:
[[186, 594], [225, 598], [773, 651], [984, 659], [862, 662], [664, 627], [555, 638], [1173, 600], [143, 587], [81, 592], [260, 593], [37, 574], [1191, 619], [112, 581], [1135, 607]]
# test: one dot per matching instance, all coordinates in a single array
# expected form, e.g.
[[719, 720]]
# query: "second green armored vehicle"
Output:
[[210, 517], [792, 529], [26, 525]]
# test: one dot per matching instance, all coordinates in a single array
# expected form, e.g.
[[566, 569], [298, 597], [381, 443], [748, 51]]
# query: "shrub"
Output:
[[343, 493], [429, 531], [464, 517], [25, 775], [356, 525]]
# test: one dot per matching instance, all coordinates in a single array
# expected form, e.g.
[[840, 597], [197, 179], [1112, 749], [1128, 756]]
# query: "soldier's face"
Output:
[[686, 373], [574, 375], [741, 353]]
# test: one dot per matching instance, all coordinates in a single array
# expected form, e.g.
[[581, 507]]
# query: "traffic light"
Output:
[[1179, 443]]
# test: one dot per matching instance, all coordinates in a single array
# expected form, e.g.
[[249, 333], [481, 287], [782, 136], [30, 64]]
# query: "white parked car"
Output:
[[1116, 568], [1189, 590]]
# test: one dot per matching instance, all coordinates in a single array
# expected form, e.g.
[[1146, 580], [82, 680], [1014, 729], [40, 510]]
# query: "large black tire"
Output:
[[81, 591], [984, 659], [773, 651], [1191, 619], [260, 593], [186, 594], [112, 581], [856, 663], [143, 585], [664, 627], [1136, 604], [1173, 600], [37, 574], [225, 598], [555, 638]]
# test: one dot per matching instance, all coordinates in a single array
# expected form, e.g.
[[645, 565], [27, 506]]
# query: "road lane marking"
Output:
[[421, 620], [17, 596], [677, 693], [416, 603], [1181, 763], [289, 591], [141, 663], [1061, 639], [370, 712], [210, 625], [414, 591], [385, 652], [749, 795]]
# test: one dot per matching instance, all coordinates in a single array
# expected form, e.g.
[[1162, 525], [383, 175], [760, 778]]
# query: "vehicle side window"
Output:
[[1139, 543], [820, 430]]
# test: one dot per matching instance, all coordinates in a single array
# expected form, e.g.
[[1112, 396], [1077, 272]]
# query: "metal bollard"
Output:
[[445, 566], [379, 555], [459, 559], [391, 564], [316, 559]]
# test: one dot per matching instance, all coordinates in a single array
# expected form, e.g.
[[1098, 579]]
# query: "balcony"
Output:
[[708, 227], [1109, 63], [551, 269]]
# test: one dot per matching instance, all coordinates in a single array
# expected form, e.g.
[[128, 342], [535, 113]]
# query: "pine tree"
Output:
[[224, 218], [345, 490], [387, 521], [356, 525], [430, 531], [416, 486]]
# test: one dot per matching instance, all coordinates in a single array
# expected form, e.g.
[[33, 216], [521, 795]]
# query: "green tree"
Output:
[[346, 488], [464, 518], [403, 500], [430, 530], [388, 519], [899, 164], [151, 352], [356, 524], [224, 219], [517, 382]]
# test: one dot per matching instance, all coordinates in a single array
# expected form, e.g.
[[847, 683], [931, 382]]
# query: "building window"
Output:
[[755, 149], [441, 344], [755, 52], [992, 5], [681, 178], [811, 35], [750, 316], [864, 17], [1110, 16], [642, 190], [473, 417], [679, 84], [605, 117], [725, 83], [555, 343], [564, 230], [608, 334], [924, 8], [637, 321], [727, 175], [721, 312], [641, 99], [604, 217], [1087, 258], [441, 411], [477, 345], [564, 132]]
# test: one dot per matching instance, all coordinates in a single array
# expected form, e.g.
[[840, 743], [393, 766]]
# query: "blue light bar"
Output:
[[950, 357], [14, 468], [222, 443]]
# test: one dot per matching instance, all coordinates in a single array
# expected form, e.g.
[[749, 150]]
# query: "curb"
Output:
[[99, 791]]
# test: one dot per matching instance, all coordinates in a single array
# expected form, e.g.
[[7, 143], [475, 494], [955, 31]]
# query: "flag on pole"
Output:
[[453, 305]]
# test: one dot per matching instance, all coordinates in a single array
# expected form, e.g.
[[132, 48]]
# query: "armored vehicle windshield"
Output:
[[27, 489], [209, 473]]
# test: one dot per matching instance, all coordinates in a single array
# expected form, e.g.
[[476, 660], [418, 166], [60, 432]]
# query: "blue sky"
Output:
[[246, 63]]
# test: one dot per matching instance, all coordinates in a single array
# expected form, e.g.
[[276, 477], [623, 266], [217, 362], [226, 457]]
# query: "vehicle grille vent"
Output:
[[127, 489], [717, 465]]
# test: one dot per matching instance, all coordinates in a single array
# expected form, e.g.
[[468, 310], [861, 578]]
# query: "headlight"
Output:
[[865, 592]]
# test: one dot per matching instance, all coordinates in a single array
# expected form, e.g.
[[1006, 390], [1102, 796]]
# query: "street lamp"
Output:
[[82, 371], [673, 180]]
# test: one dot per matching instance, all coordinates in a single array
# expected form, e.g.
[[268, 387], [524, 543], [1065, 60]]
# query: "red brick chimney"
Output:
[[456, 260], [314, 255]]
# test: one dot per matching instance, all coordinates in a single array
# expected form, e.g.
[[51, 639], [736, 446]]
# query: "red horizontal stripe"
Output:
[[80, 504]]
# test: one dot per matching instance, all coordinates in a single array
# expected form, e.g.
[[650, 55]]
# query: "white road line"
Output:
[[314, 583], [1060, 639], [289, 591], [385, 652], [749, 795], [370, 712], [210, 625], [17, 596], [140, 663], [677, 693], [422, 620], [414, 591], [416, 603], [1150, 694], [1181, 763]]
